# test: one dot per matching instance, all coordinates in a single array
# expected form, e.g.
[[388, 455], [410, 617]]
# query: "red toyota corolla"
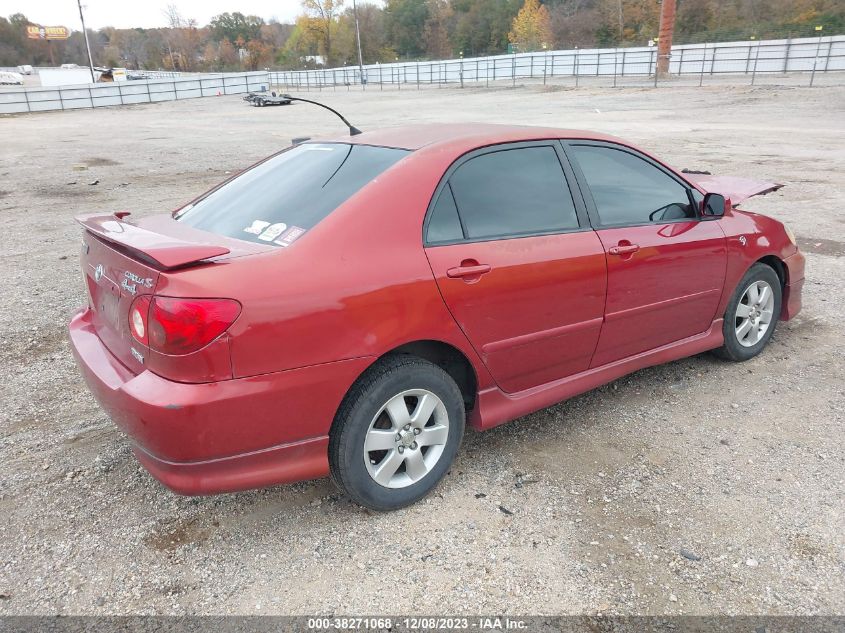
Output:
[[344, 307]]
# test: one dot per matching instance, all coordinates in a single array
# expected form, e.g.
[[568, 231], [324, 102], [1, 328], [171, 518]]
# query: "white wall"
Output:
[[766, 56], [51, 77]]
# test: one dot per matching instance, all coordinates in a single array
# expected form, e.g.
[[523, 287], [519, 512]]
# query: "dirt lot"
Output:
[[696, 487]]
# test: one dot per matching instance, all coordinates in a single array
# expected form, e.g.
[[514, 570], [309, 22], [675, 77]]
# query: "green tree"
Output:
[[231, 26], [482, 26], [405, 22]]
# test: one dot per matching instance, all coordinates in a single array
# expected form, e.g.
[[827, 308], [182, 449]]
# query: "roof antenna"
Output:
[[353, 131]]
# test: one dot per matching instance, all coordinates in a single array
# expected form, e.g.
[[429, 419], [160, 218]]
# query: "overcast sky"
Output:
[[143, 13]]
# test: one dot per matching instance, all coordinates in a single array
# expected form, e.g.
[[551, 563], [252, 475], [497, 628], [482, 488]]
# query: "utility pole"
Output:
[[358, 38], [664, 43], [87, 45]]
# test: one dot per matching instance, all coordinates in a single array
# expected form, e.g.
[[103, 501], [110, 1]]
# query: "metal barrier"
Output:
[[128, 92], [619, 65]]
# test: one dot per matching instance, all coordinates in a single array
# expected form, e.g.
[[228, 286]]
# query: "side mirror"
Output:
[[713, 205]]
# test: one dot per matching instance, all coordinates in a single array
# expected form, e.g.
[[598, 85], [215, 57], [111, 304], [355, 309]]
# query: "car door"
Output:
[[665, 263], [517, 263]]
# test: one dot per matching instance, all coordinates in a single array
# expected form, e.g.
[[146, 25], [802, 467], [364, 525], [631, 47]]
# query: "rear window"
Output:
[[280, 199]]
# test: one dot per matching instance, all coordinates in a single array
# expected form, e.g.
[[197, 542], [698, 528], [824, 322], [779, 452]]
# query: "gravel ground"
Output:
[[698, 487]]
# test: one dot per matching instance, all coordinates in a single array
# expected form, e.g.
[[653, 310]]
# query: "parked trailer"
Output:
[[273, 100]]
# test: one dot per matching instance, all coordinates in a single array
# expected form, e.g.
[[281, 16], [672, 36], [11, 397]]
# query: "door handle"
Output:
[[623, 249], [466, 270]]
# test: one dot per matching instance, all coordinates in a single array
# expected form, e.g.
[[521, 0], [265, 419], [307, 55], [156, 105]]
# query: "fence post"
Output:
[[26, 97], [655, 67], [680, 63], [575, 67], [598, 62], [615, 62], [624, 55], [553, 66], [545, 66], [748, 58], [827, 58], [816, 61], [461, 72], [531, 71], [513, 69], [703, 62], [756, 57], [786, 55]]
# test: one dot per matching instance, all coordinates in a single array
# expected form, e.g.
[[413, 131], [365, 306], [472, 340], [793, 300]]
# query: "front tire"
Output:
[[396, 433], [752, 314]]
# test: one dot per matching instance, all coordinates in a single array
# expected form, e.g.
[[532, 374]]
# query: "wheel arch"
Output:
[[776, 263], [450, 359], [446, 356]]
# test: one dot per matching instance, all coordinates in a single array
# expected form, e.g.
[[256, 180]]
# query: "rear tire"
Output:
[[396, 433], [752, 314]]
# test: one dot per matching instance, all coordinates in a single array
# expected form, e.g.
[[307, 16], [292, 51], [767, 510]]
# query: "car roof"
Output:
[[465, 136]]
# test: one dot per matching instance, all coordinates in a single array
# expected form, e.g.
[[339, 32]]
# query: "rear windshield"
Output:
[[277, 201]]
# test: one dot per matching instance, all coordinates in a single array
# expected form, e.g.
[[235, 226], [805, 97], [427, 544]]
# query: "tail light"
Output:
[[138, 315], [178, 326]]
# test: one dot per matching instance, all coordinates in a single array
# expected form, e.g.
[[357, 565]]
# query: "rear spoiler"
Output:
[[737, 189], [164, 251]]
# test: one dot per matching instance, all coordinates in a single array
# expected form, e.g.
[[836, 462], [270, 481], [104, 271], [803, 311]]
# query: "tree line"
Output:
[[324, 33]]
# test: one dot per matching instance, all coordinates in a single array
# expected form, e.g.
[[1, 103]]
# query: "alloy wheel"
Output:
[[754, 313], [406, 438]]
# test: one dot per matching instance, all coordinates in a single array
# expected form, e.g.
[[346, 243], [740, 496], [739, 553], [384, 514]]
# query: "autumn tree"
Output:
[[322, 22], [227, 55], [438, 44], [375, 45], [258, 54], [573, 23], [531, 28]]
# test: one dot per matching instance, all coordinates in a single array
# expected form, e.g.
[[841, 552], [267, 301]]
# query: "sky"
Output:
[[142, 13]]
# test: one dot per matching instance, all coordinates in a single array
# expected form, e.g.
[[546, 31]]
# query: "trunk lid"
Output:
[[737, 189], [122, 260]]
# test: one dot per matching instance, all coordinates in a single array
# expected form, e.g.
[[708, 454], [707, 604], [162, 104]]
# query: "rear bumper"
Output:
[[220, 436], [278, 465], [794, 286]]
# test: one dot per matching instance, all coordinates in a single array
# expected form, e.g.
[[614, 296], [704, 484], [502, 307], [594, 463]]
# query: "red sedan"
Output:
[[345, 307]]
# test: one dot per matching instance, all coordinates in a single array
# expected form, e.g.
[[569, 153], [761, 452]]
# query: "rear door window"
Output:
[[444, 224], [284, 196], [513, 192]]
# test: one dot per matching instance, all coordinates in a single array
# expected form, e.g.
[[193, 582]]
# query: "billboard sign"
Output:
[[36, 32]]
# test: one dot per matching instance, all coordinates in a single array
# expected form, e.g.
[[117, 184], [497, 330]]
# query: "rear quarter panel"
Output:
[[356, 285]]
